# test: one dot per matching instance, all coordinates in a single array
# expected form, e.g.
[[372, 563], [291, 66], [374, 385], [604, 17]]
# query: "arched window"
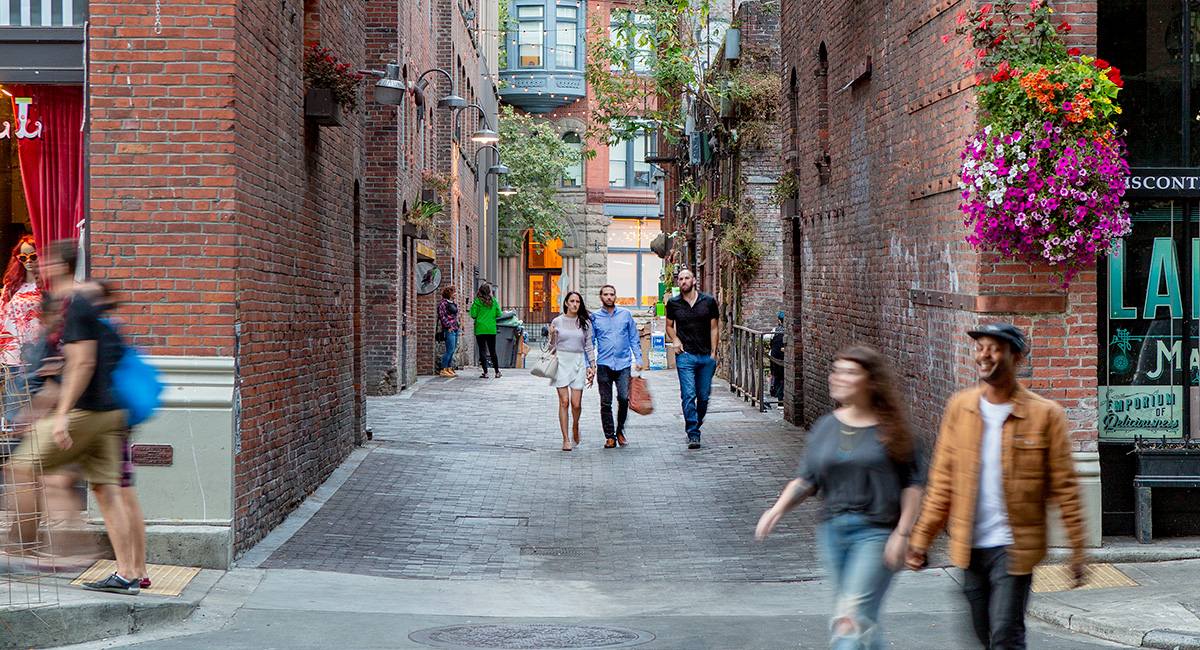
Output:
[[822, 74], [573, 174]]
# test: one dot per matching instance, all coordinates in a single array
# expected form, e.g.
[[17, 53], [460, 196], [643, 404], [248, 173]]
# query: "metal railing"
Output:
[[750, 366]]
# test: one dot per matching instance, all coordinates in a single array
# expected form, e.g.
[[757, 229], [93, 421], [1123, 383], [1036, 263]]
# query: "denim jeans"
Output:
[[853, 549], [997, 599], [451, 346], [605, 378], [695, 385]]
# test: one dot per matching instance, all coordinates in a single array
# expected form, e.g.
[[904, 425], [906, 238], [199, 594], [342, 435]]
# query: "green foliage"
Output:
[[785, 188], [537, 157], [424, 215], [739, 243], [441, 184], [627, 100]]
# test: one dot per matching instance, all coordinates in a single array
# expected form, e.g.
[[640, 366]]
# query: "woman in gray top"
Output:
[[862, 459], [571, 341]]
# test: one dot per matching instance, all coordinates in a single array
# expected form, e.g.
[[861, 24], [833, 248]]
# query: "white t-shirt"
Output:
[[991, 513]]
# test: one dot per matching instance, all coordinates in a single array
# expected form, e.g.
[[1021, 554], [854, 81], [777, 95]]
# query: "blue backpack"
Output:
[[135, 383]]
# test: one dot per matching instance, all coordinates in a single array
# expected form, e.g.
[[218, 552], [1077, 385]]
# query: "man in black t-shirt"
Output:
[[86, 426], [693, 326]]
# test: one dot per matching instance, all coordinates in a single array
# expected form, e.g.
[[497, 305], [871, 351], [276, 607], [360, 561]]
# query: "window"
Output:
[[632, 32], [530, 36], [59, 13], [566, 44], [632, 267], [544, 256], [573, 174], [627, 166]]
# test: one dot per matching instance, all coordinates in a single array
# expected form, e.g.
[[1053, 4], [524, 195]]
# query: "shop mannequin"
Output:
[[20, 303]]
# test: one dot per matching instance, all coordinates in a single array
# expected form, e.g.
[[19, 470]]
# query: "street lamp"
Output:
[[449, 101], [498, 169], [506, 190], [483, 136], [390, 90]]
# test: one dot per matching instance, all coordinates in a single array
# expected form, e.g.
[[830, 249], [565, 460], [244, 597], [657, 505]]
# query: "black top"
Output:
[[693, 323], [851, 468], [81, 322]]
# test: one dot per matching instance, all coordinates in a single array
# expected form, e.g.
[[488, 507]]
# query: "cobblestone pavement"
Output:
[[465, 480]]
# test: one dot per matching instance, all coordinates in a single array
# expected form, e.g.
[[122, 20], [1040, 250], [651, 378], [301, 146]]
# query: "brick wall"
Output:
[[881, 257], [228, 223]]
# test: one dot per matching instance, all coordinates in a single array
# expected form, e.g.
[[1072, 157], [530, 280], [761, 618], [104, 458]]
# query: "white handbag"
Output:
[[546, 365]]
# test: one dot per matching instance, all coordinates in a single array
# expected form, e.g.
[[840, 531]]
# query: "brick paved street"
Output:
[[465, 479]]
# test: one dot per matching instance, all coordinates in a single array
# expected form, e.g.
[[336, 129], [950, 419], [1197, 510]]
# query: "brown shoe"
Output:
[[610, 443], [621, 439]]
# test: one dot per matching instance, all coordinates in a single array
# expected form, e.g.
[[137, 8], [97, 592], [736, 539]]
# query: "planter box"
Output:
[[320, 108], [415, 231], [1169, 463]]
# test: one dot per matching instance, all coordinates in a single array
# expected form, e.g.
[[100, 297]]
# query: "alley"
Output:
[[463, 513], [466, 480]]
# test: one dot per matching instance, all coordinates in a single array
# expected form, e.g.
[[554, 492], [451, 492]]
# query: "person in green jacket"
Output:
[[485, 310]]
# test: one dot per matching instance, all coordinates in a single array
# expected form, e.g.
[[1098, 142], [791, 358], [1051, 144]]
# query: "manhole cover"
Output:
[[559, 551], [531, 636]]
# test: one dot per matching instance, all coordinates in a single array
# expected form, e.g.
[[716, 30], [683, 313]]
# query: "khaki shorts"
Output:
[[95, 445]]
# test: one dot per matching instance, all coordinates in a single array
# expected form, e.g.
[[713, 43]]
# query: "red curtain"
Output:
[[52, 163]]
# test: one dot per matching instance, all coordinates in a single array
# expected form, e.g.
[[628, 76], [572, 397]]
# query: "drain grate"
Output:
[[559, 551], [531, 636]]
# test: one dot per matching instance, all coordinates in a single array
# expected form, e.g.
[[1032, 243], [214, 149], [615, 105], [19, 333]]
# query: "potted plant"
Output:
[[421, 221], [330, 88], [1042, 179]]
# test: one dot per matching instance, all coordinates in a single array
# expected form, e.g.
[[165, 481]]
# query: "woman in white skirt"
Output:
[[571, 341]]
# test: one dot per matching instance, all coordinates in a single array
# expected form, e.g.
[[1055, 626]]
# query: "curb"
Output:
[[1158, 638], [75, 623]]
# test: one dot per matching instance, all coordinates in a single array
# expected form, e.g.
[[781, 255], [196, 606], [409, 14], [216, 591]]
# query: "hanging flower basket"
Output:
[[1043, 178], [320, 107]]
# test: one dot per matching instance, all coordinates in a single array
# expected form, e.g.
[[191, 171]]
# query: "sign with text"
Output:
[[1130, 411], [1163, 182], [25, 128]]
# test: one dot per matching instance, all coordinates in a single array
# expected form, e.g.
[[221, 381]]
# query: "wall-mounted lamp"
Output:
[[506, 190], [483, 136], [499, 170], [390, 90]]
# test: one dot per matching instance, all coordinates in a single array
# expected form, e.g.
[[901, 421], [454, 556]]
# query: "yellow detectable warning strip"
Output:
[[1058, 577], [165, 580]]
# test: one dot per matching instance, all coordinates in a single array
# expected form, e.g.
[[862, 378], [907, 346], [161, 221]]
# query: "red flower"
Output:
[[1074, 51], [1101, 64], [945, 39], [1114, 75], [1064, 28], [985, 10], [962, 18], [980, 79], [1035, 4]]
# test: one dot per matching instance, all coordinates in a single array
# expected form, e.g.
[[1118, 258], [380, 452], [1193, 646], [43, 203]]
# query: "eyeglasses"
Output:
[[25, 259]]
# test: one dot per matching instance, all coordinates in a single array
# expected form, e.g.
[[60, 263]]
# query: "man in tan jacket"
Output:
[[1001, 455]]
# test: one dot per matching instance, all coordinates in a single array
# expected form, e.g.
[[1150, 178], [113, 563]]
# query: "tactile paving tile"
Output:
[[1058, 577], [165, 580]]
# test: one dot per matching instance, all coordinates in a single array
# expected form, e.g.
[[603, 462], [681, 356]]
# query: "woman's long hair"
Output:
[[894, 433], [484, 295], [14, 276], [584, 320]]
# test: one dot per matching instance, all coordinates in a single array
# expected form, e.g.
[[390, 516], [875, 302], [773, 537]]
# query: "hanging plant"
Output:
[[322, 70], [1043, 178], [786, 187], [441, 184]]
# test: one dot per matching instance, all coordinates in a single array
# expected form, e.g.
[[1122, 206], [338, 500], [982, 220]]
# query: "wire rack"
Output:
[[28, 578]]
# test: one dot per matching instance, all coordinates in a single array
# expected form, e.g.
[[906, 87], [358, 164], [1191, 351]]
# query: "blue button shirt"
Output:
[[616, 338]]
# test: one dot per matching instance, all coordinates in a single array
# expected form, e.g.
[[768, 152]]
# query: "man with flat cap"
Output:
[[1001, 455]]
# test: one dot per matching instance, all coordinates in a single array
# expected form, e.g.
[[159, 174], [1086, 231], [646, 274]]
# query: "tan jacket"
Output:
[[1037, 468]]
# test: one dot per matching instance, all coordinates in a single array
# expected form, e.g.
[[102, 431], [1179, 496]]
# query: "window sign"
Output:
[[24, 128], [1144, 363]]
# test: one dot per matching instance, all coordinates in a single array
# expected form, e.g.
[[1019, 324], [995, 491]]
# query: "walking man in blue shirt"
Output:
[[617, 345]]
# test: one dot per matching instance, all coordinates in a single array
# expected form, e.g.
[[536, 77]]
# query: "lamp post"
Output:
[[483, 136]]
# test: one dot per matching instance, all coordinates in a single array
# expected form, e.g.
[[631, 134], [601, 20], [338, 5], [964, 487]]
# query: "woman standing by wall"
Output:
[[862, 459], [485, 310], [20, 314], [447, 313], [571, 340]]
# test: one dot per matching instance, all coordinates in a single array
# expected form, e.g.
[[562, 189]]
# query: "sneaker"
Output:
[[694, 443], [115, 584], [445, 373], [144, 583]]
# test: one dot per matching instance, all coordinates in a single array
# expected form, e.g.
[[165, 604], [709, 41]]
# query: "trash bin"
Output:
[[510, 333]]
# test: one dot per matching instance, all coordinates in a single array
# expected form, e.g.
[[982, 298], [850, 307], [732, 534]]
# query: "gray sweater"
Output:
[[570, 338]]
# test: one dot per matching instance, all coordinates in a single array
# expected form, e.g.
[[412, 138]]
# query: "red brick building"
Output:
[[876, 111], [259, 253]]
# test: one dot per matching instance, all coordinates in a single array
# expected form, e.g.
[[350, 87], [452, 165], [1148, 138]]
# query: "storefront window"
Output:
[[632, 267]]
